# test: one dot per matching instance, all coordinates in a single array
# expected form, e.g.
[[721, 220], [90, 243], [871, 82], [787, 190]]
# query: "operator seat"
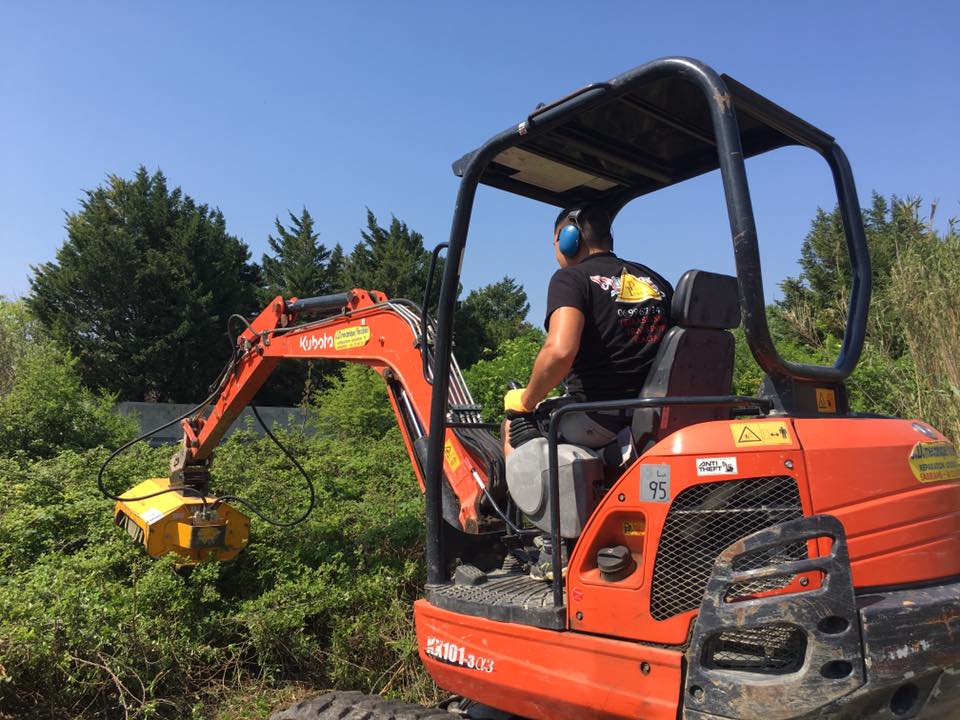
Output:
[[695, 356]]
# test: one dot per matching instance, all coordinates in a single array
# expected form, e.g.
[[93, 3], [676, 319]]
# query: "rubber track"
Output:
[[357, 706]]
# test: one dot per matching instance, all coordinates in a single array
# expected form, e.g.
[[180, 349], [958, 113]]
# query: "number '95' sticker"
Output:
[[655, 483]]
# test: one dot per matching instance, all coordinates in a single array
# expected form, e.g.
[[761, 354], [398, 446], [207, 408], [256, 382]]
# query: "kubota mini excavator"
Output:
[[776, 557]]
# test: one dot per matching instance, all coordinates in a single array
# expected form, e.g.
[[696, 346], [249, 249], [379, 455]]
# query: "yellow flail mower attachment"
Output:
[[198, 529]]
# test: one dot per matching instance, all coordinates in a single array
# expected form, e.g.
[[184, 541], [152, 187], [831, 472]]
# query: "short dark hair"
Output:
[[594, 223]]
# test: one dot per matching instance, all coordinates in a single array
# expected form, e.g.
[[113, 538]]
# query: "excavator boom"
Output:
[[358, 326]]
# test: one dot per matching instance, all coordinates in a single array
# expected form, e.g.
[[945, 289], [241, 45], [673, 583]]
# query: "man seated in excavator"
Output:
[[605, 319]]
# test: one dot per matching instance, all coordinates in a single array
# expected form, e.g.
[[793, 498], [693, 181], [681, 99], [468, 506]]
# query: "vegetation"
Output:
[[91, 627], [391, 259], [489, 317], [145, 273], [911, 363], [301, 265]]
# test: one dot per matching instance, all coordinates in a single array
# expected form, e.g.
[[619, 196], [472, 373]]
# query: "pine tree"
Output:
[[392, 260], [142, 287], [301, 265]]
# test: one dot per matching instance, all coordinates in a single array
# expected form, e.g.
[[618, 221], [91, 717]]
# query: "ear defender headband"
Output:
[[568, 239]]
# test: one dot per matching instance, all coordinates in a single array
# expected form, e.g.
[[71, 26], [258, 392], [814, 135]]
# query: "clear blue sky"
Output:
[[260, 108]]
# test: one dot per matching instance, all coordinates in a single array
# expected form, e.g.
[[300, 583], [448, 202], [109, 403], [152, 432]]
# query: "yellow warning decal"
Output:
[[637, 289], [351, 337], [826, 400], [759, 434], [451, 456], [634, 527], [934, 462]]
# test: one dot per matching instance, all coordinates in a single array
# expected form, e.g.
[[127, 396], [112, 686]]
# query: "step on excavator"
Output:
[[775, 556]]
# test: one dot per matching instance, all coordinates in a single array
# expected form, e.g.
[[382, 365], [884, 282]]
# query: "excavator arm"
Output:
[[358, 326]]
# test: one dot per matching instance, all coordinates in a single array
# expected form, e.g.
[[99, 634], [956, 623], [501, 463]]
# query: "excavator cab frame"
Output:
[[659, 124]]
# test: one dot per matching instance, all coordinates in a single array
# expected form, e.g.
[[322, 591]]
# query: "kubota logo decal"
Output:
[[316, 342]]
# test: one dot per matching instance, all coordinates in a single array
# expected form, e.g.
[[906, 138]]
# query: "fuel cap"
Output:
[[615, 562]]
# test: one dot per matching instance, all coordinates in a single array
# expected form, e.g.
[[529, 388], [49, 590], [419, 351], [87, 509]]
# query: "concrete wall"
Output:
[[150, 415]]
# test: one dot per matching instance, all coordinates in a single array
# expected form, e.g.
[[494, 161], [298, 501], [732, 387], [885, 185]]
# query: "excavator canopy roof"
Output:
[[630, 142]]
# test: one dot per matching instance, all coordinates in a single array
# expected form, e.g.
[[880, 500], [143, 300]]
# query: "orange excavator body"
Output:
[[619, 661]]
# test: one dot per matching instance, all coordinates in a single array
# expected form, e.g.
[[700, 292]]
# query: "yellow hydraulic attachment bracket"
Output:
[[175, 522]]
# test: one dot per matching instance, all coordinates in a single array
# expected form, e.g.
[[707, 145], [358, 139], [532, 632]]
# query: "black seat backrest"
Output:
[[695, 356]]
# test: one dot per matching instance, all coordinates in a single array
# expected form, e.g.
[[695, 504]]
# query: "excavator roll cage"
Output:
[[659, 124]]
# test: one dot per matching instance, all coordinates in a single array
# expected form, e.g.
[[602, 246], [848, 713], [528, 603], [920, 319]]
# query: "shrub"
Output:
[[47, 410], [92, 627]]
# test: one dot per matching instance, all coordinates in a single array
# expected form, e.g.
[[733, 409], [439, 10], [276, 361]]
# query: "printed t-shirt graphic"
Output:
[[627, 311]]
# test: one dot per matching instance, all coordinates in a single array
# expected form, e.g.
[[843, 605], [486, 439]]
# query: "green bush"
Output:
[[92, 627], [488, 379], [47, 410]]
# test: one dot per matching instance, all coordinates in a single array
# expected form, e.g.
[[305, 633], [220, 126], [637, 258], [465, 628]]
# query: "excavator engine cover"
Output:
[[177, 522]]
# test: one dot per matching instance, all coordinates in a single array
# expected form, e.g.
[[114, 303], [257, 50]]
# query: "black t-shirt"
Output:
[[627, 311]]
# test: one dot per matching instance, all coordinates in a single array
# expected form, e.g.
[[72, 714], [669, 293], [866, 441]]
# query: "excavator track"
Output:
[[354, 705]]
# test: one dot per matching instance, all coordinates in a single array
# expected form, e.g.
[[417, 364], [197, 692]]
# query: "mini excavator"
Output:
[[775, 556]]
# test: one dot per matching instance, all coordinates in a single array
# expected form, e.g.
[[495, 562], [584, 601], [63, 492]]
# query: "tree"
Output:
[[490, 316], [301, 265], [141, 289], [392, 260], [814, 304], [18, 329]]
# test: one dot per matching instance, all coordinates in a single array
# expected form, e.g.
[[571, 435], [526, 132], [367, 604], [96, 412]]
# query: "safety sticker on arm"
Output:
[[351, 337]]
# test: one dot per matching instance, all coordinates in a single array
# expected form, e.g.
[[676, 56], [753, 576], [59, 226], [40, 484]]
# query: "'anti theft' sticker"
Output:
[[716, 466]]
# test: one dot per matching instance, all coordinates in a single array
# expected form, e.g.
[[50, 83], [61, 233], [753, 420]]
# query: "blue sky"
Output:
[[261, 108]]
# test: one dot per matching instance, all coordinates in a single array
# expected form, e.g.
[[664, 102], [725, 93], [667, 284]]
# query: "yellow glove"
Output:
[[513, 402]]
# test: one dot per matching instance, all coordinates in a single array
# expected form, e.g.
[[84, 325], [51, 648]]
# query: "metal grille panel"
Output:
[[774, 649], [706, 519]]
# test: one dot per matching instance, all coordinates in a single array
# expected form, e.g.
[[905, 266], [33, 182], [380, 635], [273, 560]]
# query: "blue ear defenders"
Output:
[[568, 239]]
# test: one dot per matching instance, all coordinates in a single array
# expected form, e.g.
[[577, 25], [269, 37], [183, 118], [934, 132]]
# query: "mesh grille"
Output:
[[774, 649], [706, 519]]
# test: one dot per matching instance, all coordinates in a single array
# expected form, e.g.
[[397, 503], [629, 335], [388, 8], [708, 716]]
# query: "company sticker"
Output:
[[760, 434], [454, 654], [451, 456], [934, 462], [351, 337], [827, 400], [716, 466], [655, 483]]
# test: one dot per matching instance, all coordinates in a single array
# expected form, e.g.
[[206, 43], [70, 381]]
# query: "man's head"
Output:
[[581, 231]]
